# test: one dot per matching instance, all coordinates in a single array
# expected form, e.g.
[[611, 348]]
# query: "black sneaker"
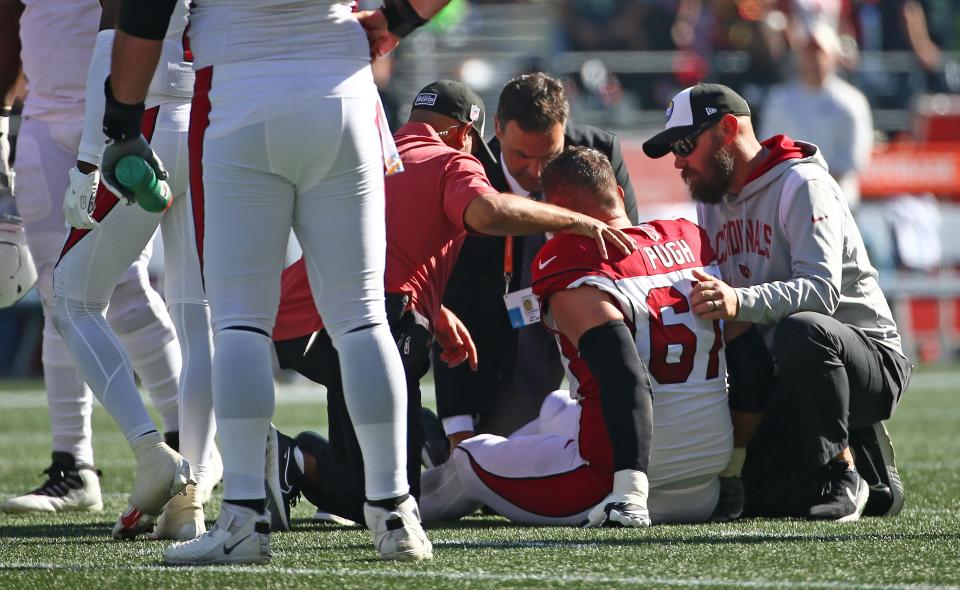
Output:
[[436, 447], [314, 445], [873, 453], [284, 479], [69, 486], [843, 493]]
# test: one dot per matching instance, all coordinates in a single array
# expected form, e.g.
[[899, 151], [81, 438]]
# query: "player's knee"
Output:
[[132, 307], [343, 328], [799, 340], [241, 328]]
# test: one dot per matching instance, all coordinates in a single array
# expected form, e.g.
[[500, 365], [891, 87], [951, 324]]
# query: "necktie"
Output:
[[538, 370]]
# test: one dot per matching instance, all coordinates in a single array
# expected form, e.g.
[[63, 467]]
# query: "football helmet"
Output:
[[17, 271]]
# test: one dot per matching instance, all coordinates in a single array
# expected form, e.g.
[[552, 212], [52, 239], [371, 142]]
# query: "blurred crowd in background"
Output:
[[875, 83]]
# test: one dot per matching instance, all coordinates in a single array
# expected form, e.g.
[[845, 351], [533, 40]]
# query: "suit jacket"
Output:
[[475, 293]]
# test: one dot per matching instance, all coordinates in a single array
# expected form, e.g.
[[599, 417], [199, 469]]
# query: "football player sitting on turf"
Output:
[[650, 431], [626, 330]]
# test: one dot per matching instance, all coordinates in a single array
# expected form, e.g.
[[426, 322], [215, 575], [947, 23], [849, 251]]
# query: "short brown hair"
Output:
[[581, 168], [535, 101]]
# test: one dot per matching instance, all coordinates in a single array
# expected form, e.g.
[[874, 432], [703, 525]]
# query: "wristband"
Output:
[[120, 121], [402, 19]]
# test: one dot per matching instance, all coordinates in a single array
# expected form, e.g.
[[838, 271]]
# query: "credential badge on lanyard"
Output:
[[523, 307]]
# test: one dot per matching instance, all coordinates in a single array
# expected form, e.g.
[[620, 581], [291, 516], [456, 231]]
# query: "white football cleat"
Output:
[[626, 505], [161, 474], [182, 518], [68, 487], [398, 534], [239, 536], [132, 523]]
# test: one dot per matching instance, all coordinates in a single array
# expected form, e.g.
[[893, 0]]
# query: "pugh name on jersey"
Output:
[[668, 254]]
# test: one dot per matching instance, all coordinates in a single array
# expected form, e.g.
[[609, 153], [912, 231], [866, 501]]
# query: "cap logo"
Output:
[[711, 111], [670, 111], [426, 98], [474, 112]]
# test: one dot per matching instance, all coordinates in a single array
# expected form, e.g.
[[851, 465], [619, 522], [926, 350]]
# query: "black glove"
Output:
[[121, 125]]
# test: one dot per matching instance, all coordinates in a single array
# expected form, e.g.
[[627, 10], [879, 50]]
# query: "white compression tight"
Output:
[[197, 426], [102, 363]]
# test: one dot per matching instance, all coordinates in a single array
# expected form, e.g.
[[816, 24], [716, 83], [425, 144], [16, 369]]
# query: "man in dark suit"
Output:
[[517, 367]]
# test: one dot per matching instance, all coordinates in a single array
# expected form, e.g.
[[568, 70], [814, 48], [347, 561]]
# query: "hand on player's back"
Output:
[[602, 233]]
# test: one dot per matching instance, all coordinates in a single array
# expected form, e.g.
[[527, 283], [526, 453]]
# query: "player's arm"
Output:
[[500, 214], [10, 11], [141, 28], [588, 318], [395, 20], [79, 202]]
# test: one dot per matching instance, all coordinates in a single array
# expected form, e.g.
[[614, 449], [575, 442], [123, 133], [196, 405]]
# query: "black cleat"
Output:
[[873, 453], [436, 447], [69, 487], [284, 479], [843, 493], [731, 501]]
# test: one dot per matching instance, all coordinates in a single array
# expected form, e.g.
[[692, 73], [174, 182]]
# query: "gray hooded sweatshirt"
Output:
[[788, 243]]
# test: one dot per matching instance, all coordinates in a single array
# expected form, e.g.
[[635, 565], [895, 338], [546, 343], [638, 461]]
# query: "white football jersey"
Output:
[[684, 354], [229, 31], [57, 39]]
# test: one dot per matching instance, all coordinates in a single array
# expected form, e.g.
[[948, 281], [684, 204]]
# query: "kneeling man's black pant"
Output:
[[830, 378]]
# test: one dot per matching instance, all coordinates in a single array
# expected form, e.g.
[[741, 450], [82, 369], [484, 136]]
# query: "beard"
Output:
[[713, 183]]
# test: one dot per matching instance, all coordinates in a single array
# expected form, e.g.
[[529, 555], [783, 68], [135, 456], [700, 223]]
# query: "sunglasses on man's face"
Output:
[[684, 146]]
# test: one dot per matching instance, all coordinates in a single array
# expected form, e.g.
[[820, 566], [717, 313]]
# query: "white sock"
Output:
[[375, 390], [197, 426], [243, 400], [102, 363], [69, 400]]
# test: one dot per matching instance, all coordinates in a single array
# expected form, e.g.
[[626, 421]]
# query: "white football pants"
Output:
[[290, 147]]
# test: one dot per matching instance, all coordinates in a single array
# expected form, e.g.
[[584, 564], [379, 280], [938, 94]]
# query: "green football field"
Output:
[[919, 549]]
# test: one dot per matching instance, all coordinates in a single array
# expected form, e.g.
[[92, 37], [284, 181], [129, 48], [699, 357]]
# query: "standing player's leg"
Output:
[[187, 302], [45, 153], [138, 316], [343, 211], [93, 262], [183, 233], [242, 275]]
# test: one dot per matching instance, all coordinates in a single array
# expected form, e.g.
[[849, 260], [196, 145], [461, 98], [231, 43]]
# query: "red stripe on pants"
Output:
[[562, 494], [106, 200], [199, 120]]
